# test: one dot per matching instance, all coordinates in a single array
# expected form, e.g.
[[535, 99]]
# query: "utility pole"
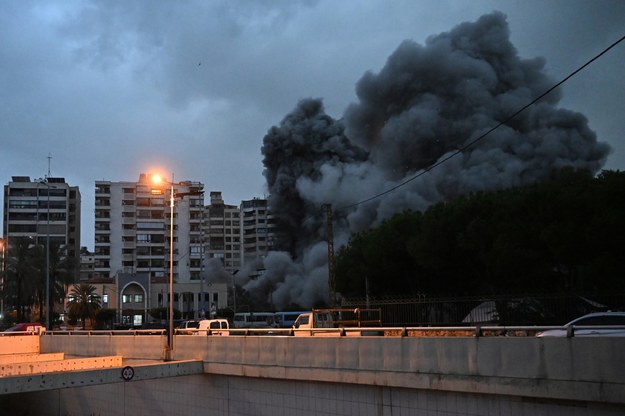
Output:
[[330, 237]]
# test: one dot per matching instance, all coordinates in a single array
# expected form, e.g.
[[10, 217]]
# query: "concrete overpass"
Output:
[[273, 375]]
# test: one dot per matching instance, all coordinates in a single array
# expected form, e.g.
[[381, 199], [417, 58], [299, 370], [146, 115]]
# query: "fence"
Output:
[[496, 310]]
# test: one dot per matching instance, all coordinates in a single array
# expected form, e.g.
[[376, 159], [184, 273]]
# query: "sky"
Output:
[[111, 89]]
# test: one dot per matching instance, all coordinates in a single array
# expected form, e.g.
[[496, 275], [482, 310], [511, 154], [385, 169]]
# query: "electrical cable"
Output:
[[483, 135]]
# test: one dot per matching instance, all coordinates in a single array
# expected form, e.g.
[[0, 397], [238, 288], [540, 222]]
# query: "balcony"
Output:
[[129, 244]]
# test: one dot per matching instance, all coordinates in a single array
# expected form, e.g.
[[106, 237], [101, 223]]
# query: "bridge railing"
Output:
[[416, 331]]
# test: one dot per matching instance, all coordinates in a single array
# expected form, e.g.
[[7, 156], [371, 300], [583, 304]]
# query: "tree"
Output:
[[84, 302], [564, 235], [21, 275]]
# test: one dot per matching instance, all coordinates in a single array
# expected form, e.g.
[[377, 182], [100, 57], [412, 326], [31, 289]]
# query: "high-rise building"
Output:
[[222, 232], [44, 209], [133, 224], [257, 230]]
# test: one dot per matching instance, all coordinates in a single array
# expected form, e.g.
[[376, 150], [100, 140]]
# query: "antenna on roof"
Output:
[[49, 159]]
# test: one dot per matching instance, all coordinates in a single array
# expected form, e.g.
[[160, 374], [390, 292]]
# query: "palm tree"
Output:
[[62, 273], [84, 302], [21, 274]]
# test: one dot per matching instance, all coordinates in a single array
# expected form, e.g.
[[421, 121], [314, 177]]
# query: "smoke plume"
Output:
[[426, 103]]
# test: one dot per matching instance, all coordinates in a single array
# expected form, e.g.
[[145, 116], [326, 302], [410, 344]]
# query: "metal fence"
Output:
[[491, 310]]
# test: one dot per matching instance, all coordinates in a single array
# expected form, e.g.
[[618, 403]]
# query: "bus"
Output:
[[254, 320], [286, 319]]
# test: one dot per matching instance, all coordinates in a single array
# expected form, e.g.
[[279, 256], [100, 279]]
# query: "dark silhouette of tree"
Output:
[[83, 302], [564, 235], [62, 270], [21, 275]]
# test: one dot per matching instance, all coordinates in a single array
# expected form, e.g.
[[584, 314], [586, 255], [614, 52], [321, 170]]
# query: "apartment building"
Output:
[[257, 230], [222, 232], [45, 209], [133, 228]]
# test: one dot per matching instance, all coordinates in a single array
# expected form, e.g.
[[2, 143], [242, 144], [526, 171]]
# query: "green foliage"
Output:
[[563, 235]]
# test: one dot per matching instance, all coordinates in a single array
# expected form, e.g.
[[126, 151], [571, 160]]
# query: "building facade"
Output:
[[221, 232], [133, 228], [45, 210], [257, 230]]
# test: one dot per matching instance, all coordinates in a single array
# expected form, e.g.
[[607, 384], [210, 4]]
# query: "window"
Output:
[[138, 298]]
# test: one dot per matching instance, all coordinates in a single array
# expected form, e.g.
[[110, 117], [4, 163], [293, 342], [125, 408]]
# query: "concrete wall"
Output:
[[245, 396], [19, 344], [588, 369], [146, 347]]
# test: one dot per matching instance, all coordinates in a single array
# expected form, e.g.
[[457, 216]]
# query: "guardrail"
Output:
[[438, 331]]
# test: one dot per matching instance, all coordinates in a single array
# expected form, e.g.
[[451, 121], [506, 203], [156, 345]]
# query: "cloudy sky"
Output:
[[110, 89]]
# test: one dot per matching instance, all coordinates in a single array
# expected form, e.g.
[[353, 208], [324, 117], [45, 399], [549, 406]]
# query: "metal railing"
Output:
[[407, 331], [487, 310]]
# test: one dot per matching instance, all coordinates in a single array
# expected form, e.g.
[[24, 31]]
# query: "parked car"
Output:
[[608, 324], [25, 328]]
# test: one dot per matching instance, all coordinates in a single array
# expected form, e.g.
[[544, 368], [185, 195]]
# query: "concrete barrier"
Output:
[[19, 344], [581, 369]]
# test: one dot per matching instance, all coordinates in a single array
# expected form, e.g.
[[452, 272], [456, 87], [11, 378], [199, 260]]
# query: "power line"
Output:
[[482, 136]]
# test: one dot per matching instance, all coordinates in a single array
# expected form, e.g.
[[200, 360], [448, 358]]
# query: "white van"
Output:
[[254, 320], [213, 327]]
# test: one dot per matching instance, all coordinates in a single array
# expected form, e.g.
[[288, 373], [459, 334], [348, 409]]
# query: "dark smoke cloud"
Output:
[[426, 103], [306, 142]]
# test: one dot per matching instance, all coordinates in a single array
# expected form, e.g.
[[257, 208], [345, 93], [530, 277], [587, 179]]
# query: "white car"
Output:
[[598, 324]]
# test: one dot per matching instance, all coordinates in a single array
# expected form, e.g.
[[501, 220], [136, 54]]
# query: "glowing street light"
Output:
[[158, 179]]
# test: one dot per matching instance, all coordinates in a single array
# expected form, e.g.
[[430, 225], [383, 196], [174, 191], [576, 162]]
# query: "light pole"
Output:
[[48, 186], [172, 196], [234, 294], [170, 333], [3, 245], [202, 305], [157, 179]]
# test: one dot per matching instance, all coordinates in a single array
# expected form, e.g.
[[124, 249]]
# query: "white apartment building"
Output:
[[43, 209], [133, 223]]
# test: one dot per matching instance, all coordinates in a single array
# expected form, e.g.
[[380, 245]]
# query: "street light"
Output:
[[3, 245], [234, 293], [170, 333], [172, 196], [45, 182], [157, 179]]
